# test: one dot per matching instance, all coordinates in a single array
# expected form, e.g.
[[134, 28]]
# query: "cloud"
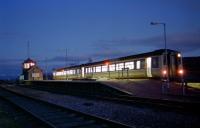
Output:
[[184, 42], [69, 59], [109, 54], [10, 71], [192, 5], [12, 35], [11, 61]]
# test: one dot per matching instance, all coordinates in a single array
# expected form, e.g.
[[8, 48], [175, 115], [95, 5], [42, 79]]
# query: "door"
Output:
[[149, 67]]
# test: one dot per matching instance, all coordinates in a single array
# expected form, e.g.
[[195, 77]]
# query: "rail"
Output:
[[55, 116]]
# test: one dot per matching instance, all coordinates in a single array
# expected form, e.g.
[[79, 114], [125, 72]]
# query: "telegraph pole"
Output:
[[28, 49], [166, 68], [66, 63], [46, 74]]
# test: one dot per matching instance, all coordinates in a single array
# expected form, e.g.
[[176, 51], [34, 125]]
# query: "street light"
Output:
[[165, 47], [164, 25]]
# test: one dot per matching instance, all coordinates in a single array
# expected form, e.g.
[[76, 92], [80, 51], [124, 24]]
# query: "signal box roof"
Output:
[[29, 61]]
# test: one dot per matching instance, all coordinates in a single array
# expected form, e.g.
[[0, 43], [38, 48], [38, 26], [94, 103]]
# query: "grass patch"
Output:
[[194, 85]]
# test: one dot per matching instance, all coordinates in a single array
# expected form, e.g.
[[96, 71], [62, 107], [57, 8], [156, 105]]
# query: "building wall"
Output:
[[35, 74]]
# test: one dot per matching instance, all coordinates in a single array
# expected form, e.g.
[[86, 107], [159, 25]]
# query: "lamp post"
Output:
[[66, 78], [165, 71]]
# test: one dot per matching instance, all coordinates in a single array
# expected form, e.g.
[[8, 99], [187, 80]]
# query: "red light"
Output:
[[164, 72], [107, 63], [181, 72]]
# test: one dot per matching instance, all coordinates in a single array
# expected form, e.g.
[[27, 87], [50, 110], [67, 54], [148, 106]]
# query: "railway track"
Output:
[[14, 116], [178, 106], [55, 116]]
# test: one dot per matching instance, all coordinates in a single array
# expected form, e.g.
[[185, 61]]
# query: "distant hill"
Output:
[[191, 63], [192, 68]]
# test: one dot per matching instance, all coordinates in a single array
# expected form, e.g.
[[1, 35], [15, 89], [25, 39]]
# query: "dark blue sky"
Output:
[[96, 29]]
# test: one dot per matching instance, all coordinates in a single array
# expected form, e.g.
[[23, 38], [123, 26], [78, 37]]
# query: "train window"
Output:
[[129, 65], [104, 68], [142, 64], [69, 72], [58, 73], [112, 67], [90, 70], [138, 64], [94, 69], [155, 62], [77, 71], [73, 72], [98, 69], [119, 66], [63, 72], [86, 70]]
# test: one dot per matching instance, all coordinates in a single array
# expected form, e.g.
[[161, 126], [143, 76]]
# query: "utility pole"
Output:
[[46, 74], [166, 68], [66, 63], [28, 49]]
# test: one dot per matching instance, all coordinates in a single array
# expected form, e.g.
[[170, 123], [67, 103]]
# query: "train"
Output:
[[155, 64]]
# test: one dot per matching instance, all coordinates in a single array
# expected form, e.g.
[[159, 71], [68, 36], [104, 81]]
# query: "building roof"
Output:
[[29, 61], [35, 68]]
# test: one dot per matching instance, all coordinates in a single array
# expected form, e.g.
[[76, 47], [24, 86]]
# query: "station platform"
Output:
[[142, 88], [148, 88]]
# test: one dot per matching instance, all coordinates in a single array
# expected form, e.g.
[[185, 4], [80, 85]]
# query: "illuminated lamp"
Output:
[[181, 71], [32, 64], [107, 63], [164, 72], [178, 55]]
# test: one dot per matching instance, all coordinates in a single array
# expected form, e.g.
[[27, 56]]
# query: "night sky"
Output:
[[92, 29]]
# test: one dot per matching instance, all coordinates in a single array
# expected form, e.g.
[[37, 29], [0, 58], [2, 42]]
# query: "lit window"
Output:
[[94, 69], [59, 73], [112, 67], [70, 72], [86, 70], [149, 62], [32, 64], [119, 66], [129, 65], [35, 75], [98, 69], [104, 68], [77, 71], [90, 70], [73, 72], [26, 65], [64, 72], [138, 64]]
